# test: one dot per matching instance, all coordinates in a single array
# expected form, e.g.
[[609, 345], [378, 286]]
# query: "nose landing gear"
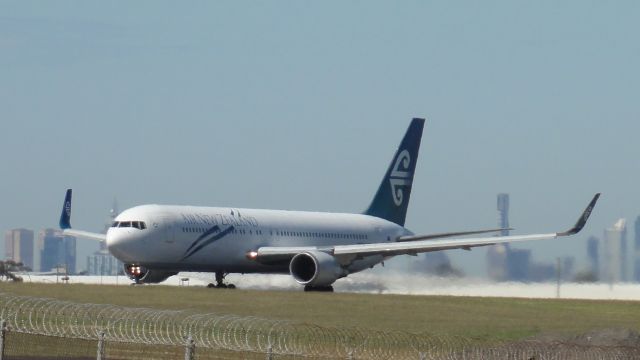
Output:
[[220, 282]]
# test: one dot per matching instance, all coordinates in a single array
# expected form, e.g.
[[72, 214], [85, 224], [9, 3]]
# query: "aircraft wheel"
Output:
[[231, 286], [319, 288], [210, 286]]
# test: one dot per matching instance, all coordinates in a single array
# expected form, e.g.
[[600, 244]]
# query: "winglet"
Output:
[[65, 215], [583, 218]]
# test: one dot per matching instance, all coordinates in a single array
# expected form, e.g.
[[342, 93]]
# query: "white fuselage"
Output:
[[191, 238]]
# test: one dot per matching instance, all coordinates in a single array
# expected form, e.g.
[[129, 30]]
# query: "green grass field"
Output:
[[478, 319]]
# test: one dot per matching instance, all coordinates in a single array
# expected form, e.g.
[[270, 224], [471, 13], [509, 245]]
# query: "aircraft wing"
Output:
[[347, 253], [65, 222], [446, 235]]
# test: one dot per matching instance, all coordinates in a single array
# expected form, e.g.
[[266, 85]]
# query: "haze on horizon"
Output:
[[300, 106]]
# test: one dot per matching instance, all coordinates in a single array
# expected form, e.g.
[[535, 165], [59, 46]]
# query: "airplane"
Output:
[[155, 242]]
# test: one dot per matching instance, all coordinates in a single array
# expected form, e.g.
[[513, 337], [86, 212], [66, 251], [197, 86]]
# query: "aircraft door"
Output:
[[169, 229]]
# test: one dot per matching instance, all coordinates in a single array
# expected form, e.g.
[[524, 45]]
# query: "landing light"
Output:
[[252, 255]]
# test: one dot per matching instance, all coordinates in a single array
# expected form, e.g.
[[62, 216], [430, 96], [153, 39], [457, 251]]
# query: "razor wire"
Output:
[[52, 317]]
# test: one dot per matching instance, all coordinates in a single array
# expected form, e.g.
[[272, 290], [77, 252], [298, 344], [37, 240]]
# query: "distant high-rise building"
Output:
[[592, 255], [19, 246], [567, 269], [56, 251], [614, 261], [503, 211], [636, 268], [542, 272], [499, 265], [518, 264], [497, 256], [102, 262]]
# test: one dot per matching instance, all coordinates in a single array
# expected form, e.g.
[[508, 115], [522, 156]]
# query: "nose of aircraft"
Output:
[[120, 244]]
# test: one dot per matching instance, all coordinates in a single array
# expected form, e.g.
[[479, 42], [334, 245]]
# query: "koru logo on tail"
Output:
[[400, 176], [67, 208]]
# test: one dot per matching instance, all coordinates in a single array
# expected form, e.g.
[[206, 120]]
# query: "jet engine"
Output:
[[315, 269], [140, 274]]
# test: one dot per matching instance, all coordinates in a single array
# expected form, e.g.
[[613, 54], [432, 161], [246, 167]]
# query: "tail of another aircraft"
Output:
[[65, 215], [392, 199]]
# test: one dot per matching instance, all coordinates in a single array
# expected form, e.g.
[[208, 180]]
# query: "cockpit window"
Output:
[[125, 224]]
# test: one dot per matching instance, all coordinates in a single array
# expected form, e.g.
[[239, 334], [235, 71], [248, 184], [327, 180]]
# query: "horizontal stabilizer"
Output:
[[84, 234]]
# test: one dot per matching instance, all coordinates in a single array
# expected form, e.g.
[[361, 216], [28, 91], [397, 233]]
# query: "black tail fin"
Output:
[[392, 199]]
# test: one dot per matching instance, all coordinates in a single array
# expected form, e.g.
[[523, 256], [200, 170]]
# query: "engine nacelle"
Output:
[[140, 274], [315, 268]]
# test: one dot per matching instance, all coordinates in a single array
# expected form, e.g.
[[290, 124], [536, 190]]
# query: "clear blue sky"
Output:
[[299, 105]]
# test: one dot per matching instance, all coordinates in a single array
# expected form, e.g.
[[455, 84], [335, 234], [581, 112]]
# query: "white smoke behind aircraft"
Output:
[[392, 283]]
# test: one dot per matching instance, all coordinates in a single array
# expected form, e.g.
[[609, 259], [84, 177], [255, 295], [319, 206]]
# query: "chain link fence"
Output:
[[37, 328]]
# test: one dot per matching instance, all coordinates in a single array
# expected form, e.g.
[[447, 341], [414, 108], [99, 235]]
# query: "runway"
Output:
[[391, 283]]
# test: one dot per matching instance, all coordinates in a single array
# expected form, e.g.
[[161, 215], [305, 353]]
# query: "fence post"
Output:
[[100, 354], [269, 353], [190, 349], [3, 331], [350, 355]]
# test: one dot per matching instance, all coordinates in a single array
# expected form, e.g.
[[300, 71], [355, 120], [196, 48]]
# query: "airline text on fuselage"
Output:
[[218, 219]]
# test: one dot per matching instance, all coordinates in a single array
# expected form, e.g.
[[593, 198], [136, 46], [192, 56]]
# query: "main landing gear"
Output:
[[319, 288], [220, 282]]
